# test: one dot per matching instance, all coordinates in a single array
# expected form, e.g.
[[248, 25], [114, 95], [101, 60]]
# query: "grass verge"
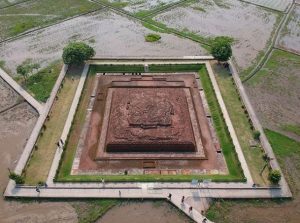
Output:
[[235, 171], [241, 124], [40, 162]]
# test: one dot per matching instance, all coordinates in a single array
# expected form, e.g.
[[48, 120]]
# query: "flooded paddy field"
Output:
[[110, 34], [250, 26], [280, 5], [290, 36], [145, 212], [274, 92], [134, 6], [32, 14]]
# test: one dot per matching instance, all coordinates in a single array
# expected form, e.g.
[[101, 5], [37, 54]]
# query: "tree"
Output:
[[221, 48], [77, 53], [16, 177], [256, 134], [274, 176], [26, 68]]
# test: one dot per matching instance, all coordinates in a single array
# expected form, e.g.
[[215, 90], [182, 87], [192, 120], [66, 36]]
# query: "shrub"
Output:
[[256, 135], [152, 37], [77, 53], [221, 48], [274, 176], [17, 178]]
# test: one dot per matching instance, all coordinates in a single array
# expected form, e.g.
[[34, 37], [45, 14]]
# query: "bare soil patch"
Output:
[[275, 93], [144, 212], [9, 97], [109, 33], [249, 25]]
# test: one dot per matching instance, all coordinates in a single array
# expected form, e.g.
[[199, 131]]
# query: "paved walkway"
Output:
[[31, 100]]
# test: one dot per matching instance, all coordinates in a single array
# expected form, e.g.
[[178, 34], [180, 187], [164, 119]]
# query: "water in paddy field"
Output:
[[144, 212]]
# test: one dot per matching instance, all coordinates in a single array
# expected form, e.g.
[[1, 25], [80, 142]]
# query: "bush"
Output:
[[77, 53], [274, 176], [152, 37], [256, 135], [221, 48], [17, 178]]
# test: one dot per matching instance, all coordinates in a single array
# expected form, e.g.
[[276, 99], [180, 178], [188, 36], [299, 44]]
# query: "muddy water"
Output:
[[139, 5], [110, 34], [290, 37], [144, 212], [250, 26]]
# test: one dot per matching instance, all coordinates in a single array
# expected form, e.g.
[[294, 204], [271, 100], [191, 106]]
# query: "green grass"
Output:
[[91, 210], [40, 84], [227, 146], [22, 17], [235, 171], [241, 124], [152, 37]]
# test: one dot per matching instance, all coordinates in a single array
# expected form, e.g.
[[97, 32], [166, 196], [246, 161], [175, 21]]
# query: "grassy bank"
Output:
[[228, 148], [40, 84]]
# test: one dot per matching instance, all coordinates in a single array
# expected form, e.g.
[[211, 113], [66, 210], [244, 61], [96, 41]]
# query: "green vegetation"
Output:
[[22, 17], [152, 37], [274, 176], [241, 123], [235, 172], [256, 135], [27, 68], [17, 178], [40, 84], [221, 48], [90, 211], [39, 164], [77, 53]]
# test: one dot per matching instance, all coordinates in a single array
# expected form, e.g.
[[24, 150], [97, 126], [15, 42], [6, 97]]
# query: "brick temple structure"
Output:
[[146, 121]]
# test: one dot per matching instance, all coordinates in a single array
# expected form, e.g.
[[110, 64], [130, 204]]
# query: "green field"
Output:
[[40, 84], [31, 14], [223, 134]]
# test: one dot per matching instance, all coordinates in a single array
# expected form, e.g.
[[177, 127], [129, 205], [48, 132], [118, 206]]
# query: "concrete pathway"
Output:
[[31, 100]]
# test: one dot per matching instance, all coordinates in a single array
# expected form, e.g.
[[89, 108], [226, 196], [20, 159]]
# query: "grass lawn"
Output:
[[22, 17], [40, 84], [38, 166], [241, 124], [228, 149]]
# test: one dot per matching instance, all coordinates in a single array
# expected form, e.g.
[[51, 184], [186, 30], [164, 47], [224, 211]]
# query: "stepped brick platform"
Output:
[[159, 118]]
